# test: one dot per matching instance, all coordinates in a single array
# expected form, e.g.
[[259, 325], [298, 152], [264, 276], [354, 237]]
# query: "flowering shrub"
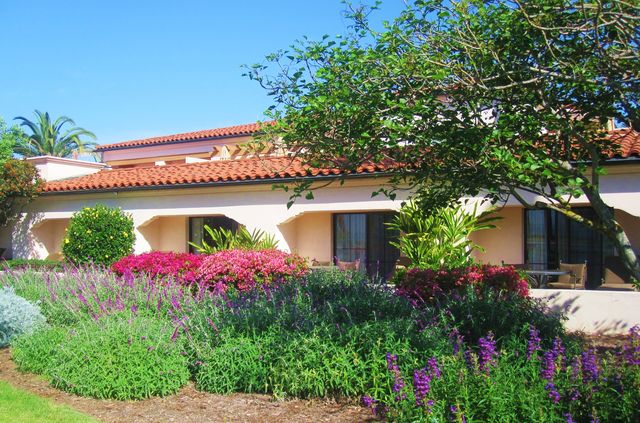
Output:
[[245, 270], [427, 284], [99, 235], [179, 267], [550, 385]]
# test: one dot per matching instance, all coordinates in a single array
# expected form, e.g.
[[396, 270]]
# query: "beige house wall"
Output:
[[314, 236], [161, 216], [505, 243]]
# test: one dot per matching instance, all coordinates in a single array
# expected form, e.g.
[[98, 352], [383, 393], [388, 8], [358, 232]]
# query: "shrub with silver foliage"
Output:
[[17, 316]]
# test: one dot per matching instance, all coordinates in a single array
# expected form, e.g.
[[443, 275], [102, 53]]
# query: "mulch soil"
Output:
[[189, 405]]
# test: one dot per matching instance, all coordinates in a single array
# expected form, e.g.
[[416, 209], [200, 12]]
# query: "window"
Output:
[[196, 228], [551, 238], [365, 237]]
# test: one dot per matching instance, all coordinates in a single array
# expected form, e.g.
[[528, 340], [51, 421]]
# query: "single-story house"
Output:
[[173, 185]]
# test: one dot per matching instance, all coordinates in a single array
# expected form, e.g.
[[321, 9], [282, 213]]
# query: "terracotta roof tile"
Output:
[[628, 140], [237, 130], [254, 169]]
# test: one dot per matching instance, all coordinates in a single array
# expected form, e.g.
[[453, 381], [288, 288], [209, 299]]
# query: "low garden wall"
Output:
[[602, 312]]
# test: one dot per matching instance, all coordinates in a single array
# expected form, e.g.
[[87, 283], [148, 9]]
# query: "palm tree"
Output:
[[48, 139]]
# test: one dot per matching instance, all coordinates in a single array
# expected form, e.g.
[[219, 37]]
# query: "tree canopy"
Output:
[[502, 99], [49, 137], [19, 181]]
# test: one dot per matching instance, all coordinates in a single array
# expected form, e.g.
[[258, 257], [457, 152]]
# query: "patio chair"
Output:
[[348, 265], [576, 279], [403, 262], [616, 276]]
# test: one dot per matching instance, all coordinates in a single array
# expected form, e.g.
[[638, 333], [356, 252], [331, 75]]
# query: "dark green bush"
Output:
[[324, 337], [507, 317], [99, 235]]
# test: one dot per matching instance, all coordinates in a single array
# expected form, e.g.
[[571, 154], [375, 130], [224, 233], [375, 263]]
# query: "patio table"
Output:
[[541, 277]]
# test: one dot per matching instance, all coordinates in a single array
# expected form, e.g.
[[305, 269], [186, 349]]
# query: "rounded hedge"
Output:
[[98, 235]]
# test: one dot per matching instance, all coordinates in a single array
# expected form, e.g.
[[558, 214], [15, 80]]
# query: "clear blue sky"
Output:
[[132, 69]]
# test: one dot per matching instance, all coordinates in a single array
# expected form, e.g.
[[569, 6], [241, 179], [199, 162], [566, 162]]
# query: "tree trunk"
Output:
[[612, 230]]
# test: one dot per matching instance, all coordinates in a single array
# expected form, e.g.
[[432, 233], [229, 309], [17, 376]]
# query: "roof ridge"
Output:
[[223, 131]]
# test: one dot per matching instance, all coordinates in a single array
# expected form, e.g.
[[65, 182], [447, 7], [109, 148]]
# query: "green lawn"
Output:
[[20, 406]]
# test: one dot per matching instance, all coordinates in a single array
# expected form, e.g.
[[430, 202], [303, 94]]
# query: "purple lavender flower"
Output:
[[392, 365], [368, 402], [457, 340], [548, 369], [631, 349], [553, 392], [533, 344], [469, 359], [434, 368], [487, 353], [421, 385], [589, 366], [569, 418]]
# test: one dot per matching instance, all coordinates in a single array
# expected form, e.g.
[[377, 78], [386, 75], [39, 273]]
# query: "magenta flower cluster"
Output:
[[179, 267], [428, 284], [245, 270]]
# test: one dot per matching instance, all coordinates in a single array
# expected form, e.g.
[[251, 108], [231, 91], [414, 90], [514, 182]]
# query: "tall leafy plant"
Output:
[[431, 240], [225, 239]]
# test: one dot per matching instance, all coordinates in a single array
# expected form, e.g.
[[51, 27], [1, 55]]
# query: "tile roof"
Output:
[[628, 140], [237, 130], [253, 169]]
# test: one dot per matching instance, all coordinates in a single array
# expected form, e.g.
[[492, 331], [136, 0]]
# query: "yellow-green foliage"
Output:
[[99, 234]]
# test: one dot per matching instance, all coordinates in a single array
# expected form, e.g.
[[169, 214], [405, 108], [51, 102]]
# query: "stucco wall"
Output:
[[54, 168], [160, 215], [313, 236], [164, 150], [606, 312], [506, 241]]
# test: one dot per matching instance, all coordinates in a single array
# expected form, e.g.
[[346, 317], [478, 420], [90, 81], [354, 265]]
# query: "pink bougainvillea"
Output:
[[245, 270], [180, 267], [428, 284]]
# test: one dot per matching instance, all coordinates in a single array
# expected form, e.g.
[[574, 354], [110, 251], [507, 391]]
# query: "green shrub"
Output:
[[120, 358], [17, 316], [223, 239], [36, 352], [99, 235], [33, 264], [438, 237]]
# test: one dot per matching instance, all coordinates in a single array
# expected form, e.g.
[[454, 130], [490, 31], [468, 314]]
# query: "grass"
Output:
[[20, 406]]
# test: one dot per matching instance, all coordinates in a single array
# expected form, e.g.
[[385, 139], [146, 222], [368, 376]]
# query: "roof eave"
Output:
[[218, 184]]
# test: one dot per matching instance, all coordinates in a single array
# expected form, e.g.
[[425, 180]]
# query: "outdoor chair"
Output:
[[576, 279], [403, 262], [348, 265], [616, 276]]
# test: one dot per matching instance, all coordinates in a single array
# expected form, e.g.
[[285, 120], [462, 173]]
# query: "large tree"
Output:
[[19, 181], [50, 137], [503, 99]]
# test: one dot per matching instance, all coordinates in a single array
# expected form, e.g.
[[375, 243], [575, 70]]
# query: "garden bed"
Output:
[[188, 405]]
